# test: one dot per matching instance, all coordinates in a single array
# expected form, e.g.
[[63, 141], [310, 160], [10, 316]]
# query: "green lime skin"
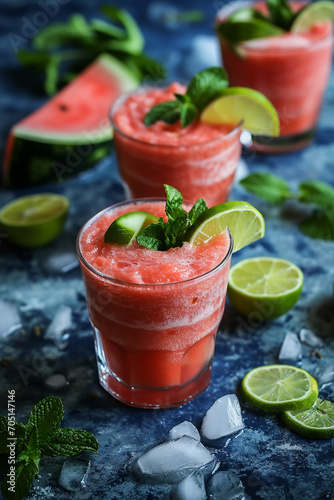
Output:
[[316, 422]]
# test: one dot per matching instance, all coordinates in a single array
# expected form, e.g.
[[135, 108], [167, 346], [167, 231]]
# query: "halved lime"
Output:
[[34, 220], [266, 285], [280, 388], [241, 104], [312, 13], [126, 227], [242, 28], [315, 422], [244, 221]]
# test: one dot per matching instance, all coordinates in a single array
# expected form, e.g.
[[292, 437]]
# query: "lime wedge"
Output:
[[280, 388], [126, 227], [244, 221], [312, 13], [241, 104], [267, 285], [34, 220], [315, 422], [242, 28]]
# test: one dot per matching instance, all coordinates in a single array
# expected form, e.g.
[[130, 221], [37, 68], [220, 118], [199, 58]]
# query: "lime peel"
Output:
[[315, 422]]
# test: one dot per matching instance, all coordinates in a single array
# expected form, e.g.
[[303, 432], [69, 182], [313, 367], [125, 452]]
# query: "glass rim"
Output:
[[119, 282], [144, 88], [230, 8]]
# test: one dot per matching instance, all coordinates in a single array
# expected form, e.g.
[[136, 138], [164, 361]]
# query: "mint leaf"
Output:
[[68, 442], [25, 473], [320, 224], [281, 13], [267, 186], [46, 416], [240, 31], [318, 193], [187, 114], [31, 449], [19, 434], [168, 111], [164, 235], [206, 86]]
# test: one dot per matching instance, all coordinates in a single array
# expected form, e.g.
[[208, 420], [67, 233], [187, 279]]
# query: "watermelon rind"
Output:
[[39, 156]]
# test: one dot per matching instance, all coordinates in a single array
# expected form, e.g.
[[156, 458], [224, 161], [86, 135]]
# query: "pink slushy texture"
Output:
[[199, 160]]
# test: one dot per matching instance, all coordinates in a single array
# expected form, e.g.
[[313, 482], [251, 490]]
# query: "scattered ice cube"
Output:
[[309, 338], [242, 170], [60, 261], [10, 318], [222, 419], [57, 381], [225, 485], [74, 474], [59, 326], [291, 350], [184, 429], [191, 488], [172, 461], [324, 376]]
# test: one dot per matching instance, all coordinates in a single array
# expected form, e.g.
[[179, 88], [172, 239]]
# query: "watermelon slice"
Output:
[[72, 131]]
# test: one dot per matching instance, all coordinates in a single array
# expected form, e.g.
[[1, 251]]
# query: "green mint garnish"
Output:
[[320, 224], [247, 23], [41, 436], [61, 50], [164, 235], [203, 89]]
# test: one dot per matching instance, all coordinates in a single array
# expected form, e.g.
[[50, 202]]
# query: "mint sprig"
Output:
[[203, 89], [165, 235], [61, 50], [41, 436], [320, 223]]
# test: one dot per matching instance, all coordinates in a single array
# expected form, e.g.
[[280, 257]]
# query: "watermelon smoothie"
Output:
[[155, 314], [199, 160], [291, 69]]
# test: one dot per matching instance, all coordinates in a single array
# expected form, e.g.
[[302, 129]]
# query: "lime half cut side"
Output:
[[126, 228], [245, 222], [280, 388], [34, 220], [315, 422], [240, 104], [312, 13], [266, 284]]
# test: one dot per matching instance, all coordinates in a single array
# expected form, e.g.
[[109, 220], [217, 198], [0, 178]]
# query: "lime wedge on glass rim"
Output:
[[315, 422], [244, 221], [34, 220], [280, 388], [266, 284], [312, 13], [241, 104], [125, 228]]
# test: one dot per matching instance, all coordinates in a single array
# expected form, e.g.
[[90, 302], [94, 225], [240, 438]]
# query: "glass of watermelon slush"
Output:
[[199, 160], [155, 314], [292, 70]]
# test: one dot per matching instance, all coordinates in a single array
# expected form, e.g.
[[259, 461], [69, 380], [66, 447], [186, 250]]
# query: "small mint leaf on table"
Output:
[[267, 186], [69, 442], [318, 193], [31, 449], [320, 224], [46, 416], [25, 473]]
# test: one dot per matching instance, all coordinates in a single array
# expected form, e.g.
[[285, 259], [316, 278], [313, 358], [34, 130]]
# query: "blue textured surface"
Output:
[[272, 462]]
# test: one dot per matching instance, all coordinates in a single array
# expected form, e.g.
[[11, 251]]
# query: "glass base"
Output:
[[282, 144], [149, 397]]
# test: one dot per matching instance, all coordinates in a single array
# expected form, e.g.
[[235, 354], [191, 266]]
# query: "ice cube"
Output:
[[74, 474], [172, 461], [60, 261], [225, 485], [324, 376], [309, 338], [59, 326], [191, 488], [291, 350], [184, 429], [10, 318], [222, 419], [57, 381]]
